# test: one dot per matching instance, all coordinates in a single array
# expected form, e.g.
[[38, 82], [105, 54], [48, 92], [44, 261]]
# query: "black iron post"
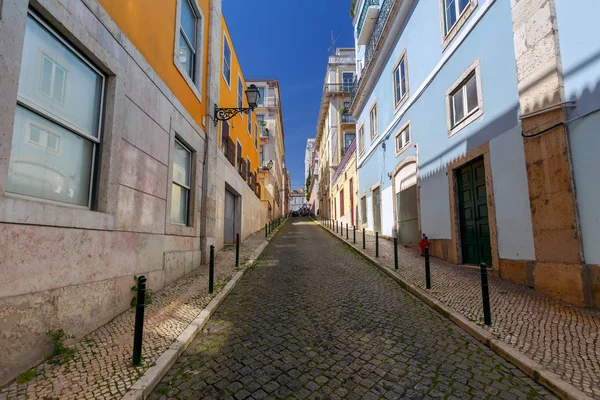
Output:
[[376, 244], [211, 270], [237, 250], [395, 253], [485, 294], [266, 231], [364, 243], [346, 231], [138, 331], [427, 269], [354, 233]]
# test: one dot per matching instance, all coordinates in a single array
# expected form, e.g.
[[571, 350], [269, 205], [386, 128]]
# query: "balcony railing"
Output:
[[348, 119], [363, 14], [268, 102], [345, 87]]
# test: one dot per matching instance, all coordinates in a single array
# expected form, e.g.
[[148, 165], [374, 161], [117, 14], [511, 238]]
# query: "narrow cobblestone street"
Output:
[[312, 319]]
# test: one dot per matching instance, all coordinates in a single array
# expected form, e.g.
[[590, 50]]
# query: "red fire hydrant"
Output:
[[423, 243]]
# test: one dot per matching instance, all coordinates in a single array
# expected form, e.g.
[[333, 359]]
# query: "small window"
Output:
[[400, 83], [226, 61], [361, 139], [187, 38], [262, 156], [347, 81], [261, 124], [373, 121], [348, 139], [453, 9], [402, 139], [256, 138], [249, 126], [182, 176], [261, 99], [53, 79], [240, 97], [464, 100]]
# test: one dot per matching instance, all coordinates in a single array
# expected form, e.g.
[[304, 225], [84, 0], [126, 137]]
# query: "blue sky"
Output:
[[288, 40]]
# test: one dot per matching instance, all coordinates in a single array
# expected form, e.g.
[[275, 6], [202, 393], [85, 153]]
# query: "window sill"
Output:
[[401, 102], [403, 149], [448, 37], [472, 117], [172, 228], [188, 80], [19, 209]]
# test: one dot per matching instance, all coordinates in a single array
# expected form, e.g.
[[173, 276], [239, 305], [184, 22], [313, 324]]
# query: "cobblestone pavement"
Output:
[[562, 338], [101, 367], [312, 319]]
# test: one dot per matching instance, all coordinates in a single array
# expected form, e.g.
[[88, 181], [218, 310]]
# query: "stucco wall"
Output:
[[435, 205]]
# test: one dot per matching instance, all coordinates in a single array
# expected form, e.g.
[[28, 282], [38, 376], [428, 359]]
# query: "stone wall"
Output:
[[72, 268]]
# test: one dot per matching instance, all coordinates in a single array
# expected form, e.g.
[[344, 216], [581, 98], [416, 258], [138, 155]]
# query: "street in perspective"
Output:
[[340, 199]]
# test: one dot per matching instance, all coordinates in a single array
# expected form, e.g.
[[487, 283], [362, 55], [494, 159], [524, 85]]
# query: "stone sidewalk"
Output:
[[101, 367], [562, 338]]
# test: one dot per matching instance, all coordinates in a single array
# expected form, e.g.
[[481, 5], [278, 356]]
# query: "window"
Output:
[[262, 156], [180, 192], [361, 139], [261, 98], [363, 210], [256, 137], [400, 83], [348, 138], [226, 61], [464, 101], [240, 97], [57, 125], [402, 139], [373, 121], [453, 9], [347, 81], [249, 126], [261, 124], [187, 38], [224, 131]]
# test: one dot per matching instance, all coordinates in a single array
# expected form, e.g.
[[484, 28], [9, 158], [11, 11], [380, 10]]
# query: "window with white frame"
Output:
[[188, 38], [256, 139], [260, 118], [262, 156], [373, 120], [240, 96], [347, 81], [226, 61], [464, 100], [453, 9], [402, 139], [249, 126], [361, 139], [400, 82], [57, 128], [261, 99], [181, 186]]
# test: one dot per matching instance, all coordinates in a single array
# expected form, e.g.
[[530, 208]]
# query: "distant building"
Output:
[[297, 199], [308, 155]]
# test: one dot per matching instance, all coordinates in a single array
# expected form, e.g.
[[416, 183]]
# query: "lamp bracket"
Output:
[[224, 114]]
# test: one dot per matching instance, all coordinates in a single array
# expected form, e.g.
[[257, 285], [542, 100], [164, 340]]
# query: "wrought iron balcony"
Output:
[[345, 87], [368, 12]]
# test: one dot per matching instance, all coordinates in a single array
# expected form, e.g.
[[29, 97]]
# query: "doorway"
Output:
[[229, 218], [377, 209], [473, 212], [407, 213]]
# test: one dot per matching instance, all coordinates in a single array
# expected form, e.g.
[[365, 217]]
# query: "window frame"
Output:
[[177, 140], [223, 61], [56, 120], [405, 128], [240, 95], [403, 96], [361, 139], [448, 34], [261, 99], [196, 83], [344, 83], [473, 71], [373, 126]]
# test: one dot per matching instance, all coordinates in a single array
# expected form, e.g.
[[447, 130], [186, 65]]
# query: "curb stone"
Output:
[[533, 369], [142, 388]]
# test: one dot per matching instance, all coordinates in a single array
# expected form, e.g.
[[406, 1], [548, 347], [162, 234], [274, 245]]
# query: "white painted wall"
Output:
[[435, 205], [511, 196], [387, 212]]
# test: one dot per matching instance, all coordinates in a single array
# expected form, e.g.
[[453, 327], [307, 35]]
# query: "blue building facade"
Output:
[[445, 90]]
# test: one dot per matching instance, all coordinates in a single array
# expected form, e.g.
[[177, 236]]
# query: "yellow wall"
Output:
[[150, 25], [343, 182], [228, 99]]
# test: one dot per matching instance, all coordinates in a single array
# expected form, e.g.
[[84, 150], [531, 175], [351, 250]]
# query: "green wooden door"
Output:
[[474, 224]]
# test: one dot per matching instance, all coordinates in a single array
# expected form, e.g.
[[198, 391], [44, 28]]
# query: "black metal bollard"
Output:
[[427, 269], [341, 229], [376, 244], [237, 250], [138, 332], [485, 294], [364, 242], [395, 253], [211, 270], [266, 231], [354, 233], [346, 231]]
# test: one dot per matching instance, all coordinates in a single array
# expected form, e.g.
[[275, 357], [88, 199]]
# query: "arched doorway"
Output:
[[407, 212]]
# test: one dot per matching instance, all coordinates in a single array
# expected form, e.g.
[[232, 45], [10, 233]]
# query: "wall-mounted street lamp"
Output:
[[224, 114]]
